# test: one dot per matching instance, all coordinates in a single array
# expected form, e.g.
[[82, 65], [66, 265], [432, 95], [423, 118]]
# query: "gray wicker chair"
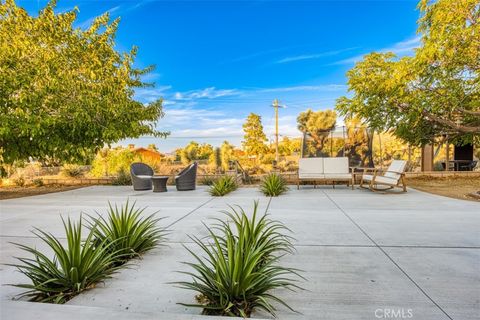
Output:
[[187, 178], [141, 176]]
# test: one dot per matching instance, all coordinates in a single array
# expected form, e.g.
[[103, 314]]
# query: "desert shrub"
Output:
[[72, 170], [126, 231], [75, 267], [123, 178], [208, 181], [267, 159], [287, 166], [273, 185], [239, 269], [38, 182], [19, 182], [223, 186]]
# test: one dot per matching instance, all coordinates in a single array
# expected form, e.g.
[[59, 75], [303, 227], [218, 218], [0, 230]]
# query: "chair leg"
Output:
[[333, 184], [403, 184], [314, 184]]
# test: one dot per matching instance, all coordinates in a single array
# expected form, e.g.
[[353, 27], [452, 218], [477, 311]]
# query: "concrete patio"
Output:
[[365, 255]]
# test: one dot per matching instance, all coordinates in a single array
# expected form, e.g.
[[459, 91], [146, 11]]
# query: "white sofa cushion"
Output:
[[339, 176], [317, 176], [396, 166], [310, 168], [335, 165], [380, 179]]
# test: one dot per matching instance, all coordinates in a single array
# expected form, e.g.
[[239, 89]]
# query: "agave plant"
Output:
[[126, 231], [74, 268], [269, 235], [223, 186], [239, 270], [273, 185]]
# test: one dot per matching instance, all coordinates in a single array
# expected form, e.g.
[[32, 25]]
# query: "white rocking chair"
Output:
[[393, 177]]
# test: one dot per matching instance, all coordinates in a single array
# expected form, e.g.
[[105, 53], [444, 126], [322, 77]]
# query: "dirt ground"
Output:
[[19, 192], [455, 187]]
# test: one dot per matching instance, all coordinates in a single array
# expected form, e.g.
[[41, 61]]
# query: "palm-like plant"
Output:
[[240, 269], [223, 186], [273, 185], [74, 268], [125, 231], [269, 235]]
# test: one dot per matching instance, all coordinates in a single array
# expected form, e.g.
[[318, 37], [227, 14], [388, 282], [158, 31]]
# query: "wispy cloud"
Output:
[[402, 48], [114, 12], [194, 122], [323, 87], [151, 76], [313, 56], [255, 55], [151, 94], [217, 132], [206, 93], [85, 24]]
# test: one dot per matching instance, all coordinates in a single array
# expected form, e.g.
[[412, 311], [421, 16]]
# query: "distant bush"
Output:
[[123, 178], [20, 181], [72, 170], [223, 186], [38, 182]]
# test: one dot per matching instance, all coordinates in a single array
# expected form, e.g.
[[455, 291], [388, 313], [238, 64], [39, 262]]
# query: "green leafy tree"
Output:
[[434, 92], [222, 155], [254, 138], [110, 162], [227, 154], [317, 125], [216, 159], [152, 147], [288, 147], [359, 143], [205, 151], [195, 151], [66, 92], [189, 153]]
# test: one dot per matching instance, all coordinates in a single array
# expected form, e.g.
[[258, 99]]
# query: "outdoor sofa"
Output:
[[324, 169]]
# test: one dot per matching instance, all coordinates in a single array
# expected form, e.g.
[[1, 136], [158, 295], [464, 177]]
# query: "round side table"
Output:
[[159, 183]]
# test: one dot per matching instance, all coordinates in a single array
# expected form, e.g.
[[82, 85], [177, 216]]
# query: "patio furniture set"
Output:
[[309, 170], [143, 178], [337, 169]]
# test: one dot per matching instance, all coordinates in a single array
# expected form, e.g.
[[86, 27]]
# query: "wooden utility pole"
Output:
[[276, 106]]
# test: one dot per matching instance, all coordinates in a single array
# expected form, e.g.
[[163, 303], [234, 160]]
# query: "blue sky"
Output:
[[218, 61]]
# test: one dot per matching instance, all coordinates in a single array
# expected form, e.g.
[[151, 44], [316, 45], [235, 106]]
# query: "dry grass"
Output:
[[12, 192], [453, 187]]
